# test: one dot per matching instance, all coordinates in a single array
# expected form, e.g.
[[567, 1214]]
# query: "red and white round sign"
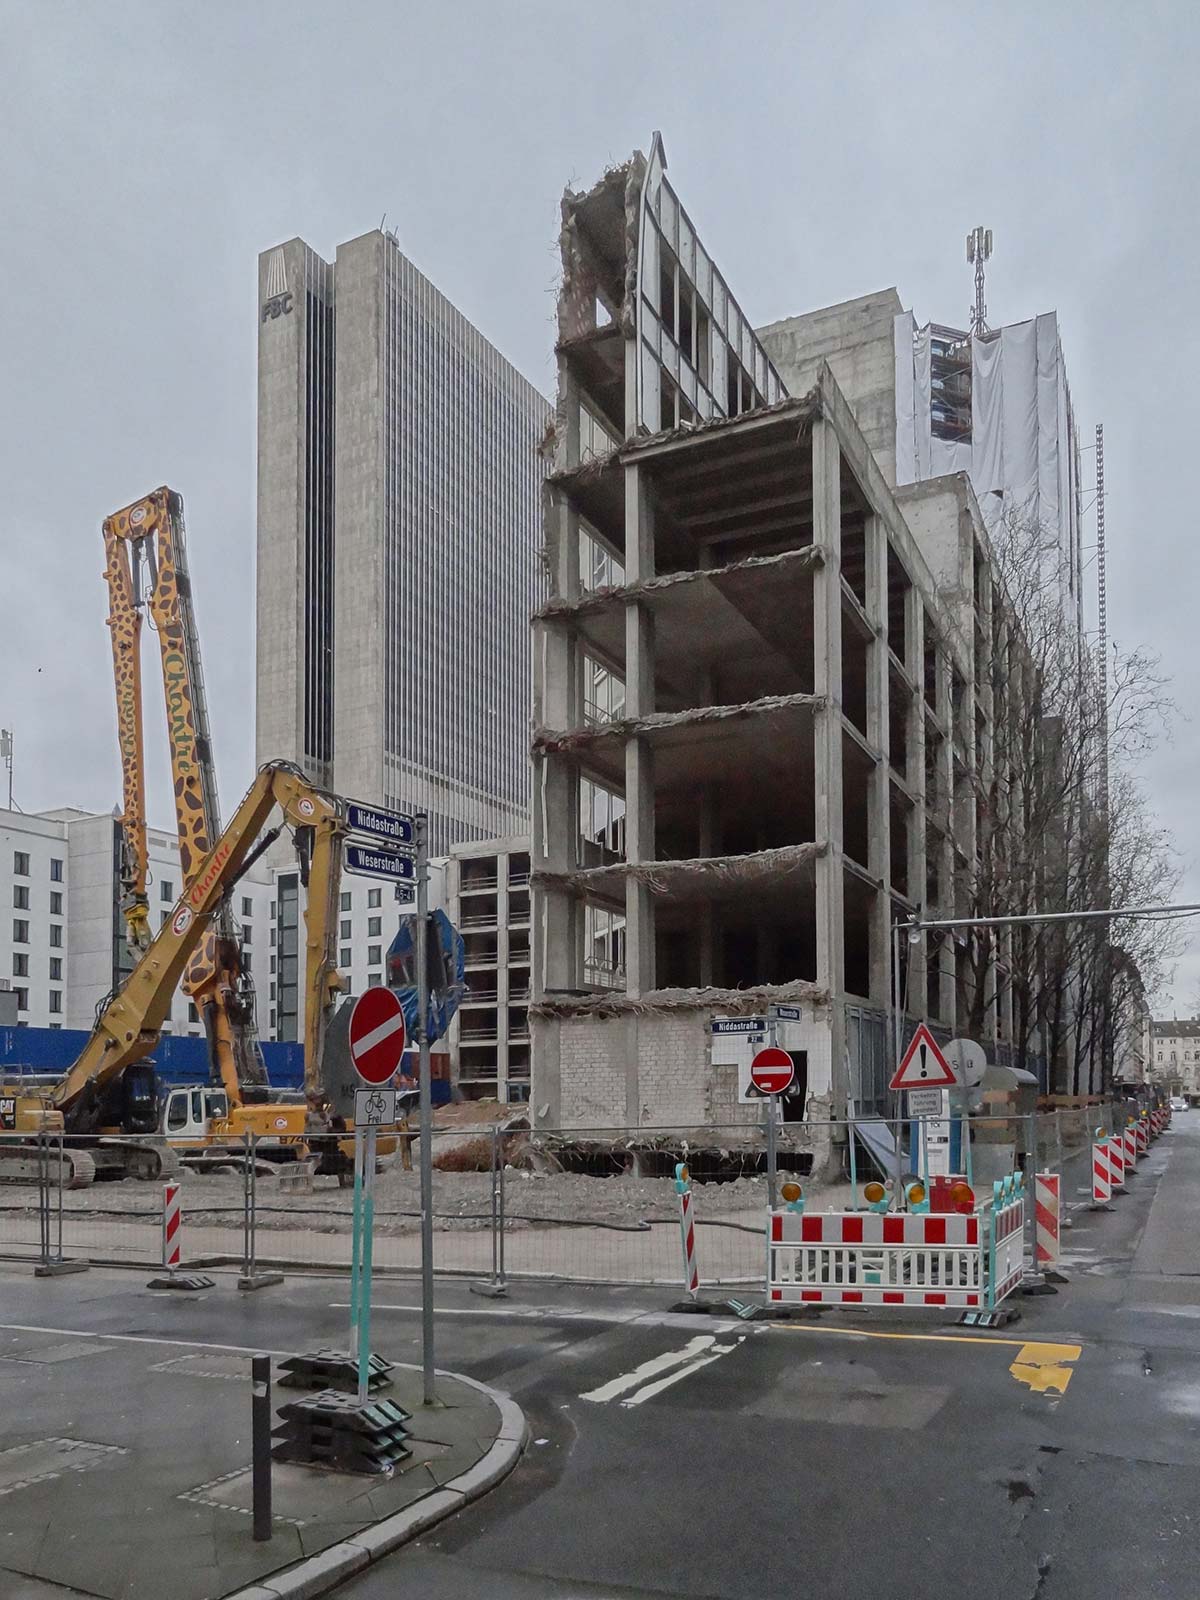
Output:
[[377, 1035], [772, 1070]]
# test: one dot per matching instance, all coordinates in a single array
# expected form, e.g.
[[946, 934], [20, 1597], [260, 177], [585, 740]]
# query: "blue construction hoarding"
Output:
[[177, 1059]]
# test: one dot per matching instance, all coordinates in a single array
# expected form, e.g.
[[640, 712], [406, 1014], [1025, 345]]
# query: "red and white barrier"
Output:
[[1047, 1196], [1129, 1139], [1116, 1160], [1006, 1255], [1101, 1173], [1142, 1132], [870, 1258], [687, 1231], [172, 1228]]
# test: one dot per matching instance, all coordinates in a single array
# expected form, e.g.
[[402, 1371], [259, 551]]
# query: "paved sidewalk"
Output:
[[124, 1473]]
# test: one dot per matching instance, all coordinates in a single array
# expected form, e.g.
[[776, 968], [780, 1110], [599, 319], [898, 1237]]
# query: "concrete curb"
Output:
[[324, 1571]]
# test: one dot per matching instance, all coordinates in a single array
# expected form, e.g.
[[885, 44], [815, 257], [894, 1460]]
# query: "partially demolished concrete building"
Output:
[[759, 699]]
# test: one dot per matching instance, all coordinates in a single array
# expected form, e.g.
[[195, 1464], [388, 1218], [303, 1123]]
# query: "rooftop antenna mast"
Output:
[[979, 250], [1102, 618]]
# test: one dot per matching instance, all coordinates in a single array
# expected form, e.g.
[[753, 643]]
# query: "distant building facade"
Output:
[[487, 891], [399, 523], [1173, 1048]]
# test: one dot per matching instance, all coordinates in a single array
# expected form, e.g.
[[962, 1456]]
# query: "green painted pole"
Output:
[[364, 1300]]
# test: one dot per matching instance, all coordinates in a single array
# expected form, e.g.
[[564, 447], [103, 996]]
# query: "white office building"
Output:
[[399, 519], [62, 941]]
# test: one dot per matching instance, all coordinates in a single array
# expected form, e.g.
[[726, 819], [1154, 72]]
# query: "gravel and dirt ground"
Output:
[[462, 1200]]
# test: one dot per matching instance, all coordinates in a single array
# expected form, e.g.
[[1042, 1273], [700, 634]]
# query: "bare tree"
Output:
[[1061, 824]]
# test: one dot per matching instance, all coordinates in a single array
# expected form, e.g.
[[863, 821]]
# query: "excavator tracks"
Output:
[[79, 1167], [24, 1164]]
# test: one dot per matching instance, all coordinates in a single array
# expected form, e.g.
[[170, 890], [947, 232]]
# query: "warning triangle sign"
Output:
[[923, 1066]]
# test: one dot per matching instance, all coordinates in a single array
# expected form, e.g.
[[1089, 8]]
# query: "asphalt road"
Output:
[[1057, 1458]]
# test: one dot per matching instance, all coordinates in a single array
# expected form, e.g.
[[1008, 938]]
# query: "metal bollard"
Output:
[[250, 1277], [503, 1283], [260, 1386], [495, 1287]]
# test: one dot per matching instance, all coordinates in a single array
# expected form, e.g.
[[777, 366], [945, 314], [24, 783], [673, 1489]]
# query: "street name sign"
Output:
[[379, 863], [391, 825]]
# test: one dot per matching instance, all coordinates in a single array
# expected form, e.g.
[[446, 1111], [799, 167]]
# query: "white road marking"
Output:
[[145, 1338], [650, 1369], [651, 1389], [683, 1321]]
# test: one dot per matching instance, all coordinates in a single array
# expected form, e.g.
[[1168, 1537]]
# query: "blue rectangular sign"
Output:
[[380, 824], [379, 863]]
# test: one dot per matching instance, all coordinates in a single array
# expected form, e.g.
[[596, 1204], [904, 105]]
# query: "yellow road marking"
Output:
[[1043, 1366], [923, 1338]]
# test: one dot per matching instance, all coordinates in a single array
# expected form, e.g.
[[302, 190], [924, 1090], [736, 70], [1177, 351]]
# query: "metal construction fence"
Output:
[[573, 1205]]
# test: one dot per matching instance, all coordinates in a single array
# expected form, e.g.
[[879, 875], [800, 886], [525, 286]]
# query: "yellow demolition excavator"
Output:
[[147, 575], [109, 1094]]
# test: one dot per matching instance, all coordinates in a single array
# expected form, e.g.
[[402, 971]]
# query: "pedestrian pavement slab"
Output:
[[125, 1471]]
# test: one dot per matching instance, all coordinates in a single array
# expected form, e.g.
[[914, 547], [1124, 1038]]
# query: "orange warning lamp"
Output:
[[963, 1195], [876, 1195], [914, 1193]]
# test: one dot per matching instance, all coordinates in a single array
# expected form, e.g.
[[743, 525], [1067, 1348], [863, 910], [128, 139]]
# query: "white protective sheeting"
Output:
[[1019, 437], [1022, 456]]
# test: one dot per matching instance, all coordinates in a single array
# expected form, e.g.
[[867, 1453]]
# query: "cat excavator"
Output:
[[109, 1094], [147, 574]]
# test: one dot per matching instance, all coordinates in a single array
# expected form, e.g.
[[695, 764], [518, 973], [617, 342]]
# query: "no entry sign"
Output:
[[772, 1070], [377, 1035]]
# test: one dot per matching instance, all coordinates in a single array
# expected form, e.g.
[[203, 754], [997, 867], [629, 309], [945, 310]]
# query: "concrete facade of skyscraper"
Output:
[[400, 473]]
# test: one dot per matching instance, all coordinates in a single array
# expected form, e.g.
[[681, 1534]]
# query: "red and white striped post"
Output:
[[1129, 1139], [172, 1247], [1101, 1176], [1141, 1129], [687, 1230], [1047, 1193], [172, 1231], [1116, 1160]]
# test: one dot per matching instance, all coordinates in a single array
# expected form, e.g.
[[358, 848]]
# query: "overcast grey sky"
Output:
[[148, 152]]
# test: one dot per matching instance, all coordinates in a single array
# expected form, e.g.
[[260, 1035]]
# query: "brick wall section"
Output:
[[593, 1074], [678, 1087], [672, 1070]]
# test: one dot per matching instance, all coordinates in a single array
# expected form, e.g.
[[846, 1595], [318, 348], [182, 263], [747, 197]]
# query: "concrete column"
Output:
[[556, 925], [915, 667], [827, 733], [946, 985], [710, 845], [878, 810], [639, 757]]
